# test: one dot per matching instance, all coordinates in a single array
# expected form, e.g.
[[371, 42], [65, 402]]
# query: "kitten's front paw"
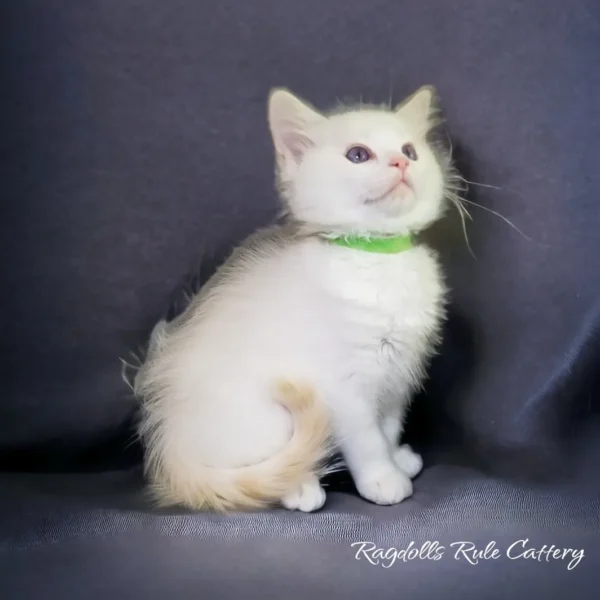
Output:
[[385, 486], [308, 497], [408, 461]]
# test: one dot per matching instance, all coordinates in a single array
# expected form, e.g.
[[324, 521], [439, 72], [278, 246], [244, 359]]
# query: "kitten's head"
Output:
[[365, 170]]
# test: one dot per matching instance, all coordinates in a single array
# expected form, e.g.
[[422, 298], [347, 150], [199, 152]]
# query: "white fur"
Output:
[[356, 327]]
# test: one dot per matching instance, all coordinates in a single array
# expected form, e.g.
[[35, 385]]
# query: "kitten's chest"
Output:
[[389, 306]]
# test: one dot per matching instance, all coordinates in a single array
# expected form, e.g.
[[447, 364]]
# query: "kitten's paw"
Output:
[[386, 486], [307, 497], [408, 461]]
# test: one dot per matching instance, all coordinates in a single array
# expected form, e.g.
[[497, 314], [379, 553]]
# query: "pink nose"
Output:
[[399, 161]]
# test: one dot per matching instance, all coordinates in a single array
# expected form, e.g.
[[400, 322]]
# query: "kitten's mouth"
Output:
[[402, 184]]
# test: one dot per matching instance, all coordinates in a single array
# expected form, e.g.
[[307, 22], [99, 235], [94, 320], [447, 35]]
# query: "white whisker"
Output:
[[464, 214], [451, 150], [485, 185], [493, 212]]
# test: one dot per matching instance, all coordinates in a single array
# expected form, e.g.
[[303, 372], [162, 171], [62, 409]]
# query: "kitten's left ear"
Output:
[[290, 120], [419, 108]]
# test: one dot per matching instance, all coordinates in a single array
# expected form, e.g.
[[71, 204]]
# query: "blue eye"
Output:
[[409, 151], [358, 154]]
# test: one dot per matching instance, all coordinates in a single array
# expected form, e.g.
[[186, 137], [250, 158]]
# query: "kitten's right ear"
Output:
[[289, 121], [419, 108]]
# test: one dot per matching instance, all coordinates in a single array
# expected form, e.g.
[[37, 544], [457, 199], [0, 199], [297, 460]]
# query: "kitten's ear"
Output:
[[419, 108], [289, 121]]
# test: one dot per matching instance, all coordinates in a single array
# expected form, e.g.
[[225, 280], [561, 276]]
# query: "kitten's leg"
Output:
[[307, 497], [391, 423], [405, 458], [408, 460], [367, 453]]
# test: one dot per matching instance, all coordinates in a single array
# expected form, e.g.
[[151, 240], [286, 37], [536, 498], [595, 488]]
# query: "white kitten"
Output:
[[313, 335]]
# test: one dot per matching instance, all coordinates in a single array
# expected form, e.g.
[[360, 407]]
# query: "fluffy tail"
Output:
[[253, 486], [132, 372]]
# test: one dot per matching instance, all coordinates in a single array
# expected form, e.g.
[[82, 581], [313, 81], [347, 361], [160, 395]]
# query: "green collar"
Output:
[[380, 245]]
